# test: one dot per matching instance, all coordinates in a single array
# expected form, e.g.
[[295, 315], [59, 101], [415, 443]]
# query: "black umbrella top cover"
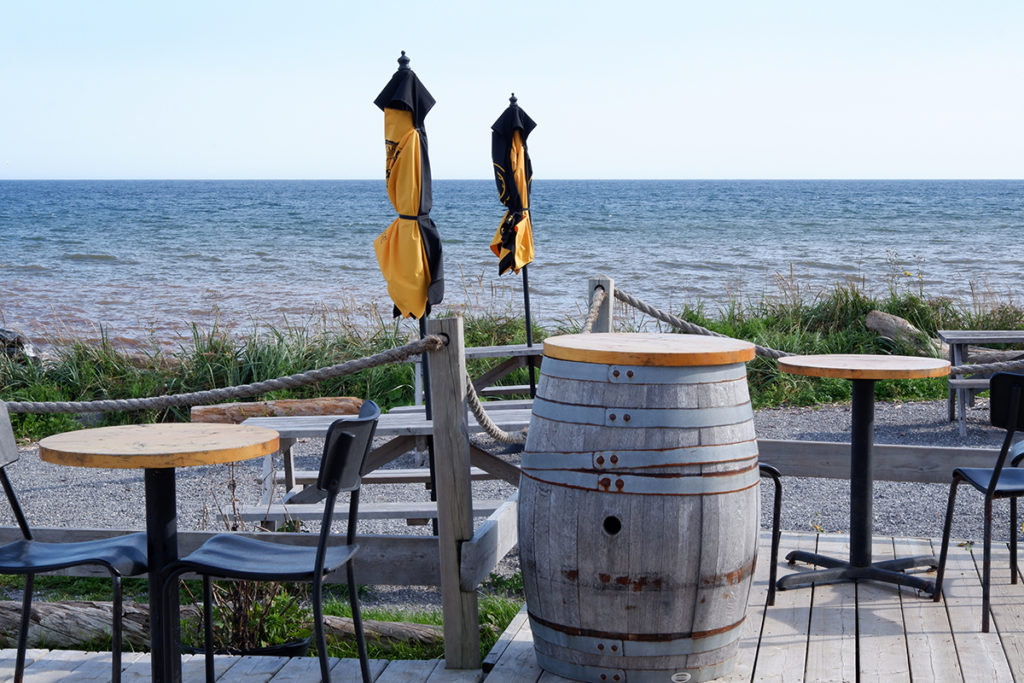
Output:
[[512, 118], [405, 91]]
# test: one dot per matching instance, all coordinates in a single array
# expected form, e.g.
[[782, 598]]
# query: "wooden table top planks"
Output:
[[864, 366]]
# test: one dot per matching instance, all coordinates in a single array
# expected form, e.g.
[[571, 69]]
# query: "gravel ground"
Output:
[[58, 496]]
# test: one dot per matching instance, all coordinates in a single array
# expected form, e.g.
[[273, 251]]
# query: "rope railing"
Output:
[[301, 379], [595, 309], [692, 328], [686, 326], [486, 423]]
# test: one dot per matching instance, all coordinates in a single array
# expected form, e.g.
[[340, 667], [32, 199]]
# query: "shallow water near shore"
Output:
[[143, 259]]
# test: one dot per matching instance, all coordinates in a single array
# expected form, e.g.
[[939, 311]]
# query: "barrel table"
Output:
[[639, 506]]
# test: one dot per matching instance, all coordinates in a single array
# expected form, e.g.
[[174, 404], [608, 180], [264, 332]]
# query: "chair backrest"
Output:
[[9, 455], [1003, 404], [341, 467], [8, 447]]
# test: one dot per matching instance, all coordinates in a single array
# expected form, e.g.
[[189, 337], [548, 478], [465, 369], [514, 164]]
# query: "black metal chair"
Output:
[[121, 556], [233, 556], [1006, 410], [773, 473]]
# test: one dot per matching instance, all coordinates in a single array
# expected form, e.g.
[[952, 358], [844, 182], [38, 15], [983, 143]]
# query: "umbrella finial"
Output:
[[512, 100], [403, 62]]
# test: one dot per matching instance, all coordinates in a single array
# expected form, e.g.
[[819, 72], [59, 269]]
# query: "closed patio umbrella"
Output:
[[513, 173], [409, 250]]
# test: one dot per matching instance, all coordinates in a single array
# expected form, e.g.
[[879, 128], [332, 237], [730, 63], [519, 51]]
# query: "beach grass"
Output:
[[832, 321]]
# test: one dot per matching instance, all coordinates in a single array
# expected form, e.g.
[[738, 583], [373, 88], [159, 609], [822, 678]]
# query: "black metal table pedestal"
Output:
[[162, 535], [860, 566]]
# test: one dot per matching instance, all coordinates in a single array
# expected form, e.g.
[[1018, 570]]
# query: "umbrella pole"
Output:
[[428, 413], [529, 331]]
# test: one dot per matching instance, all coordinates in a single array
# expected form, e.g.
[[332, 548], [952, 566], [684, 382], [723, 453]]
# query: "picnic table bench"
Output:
[[963, 389], [516, 355], [405, 429]]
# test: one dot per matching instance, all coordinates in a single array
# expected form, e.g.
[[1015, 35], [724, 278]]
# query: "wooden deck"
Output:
[[846, 632]]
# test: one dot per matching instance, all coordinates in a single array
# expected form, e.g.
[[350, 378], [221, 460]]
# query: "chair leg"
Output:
[[26, 614], [208, 628], [986, 566], [1013, 540], [116, 632], [946, 528], [357, 623], [773, 570], [318, 629]]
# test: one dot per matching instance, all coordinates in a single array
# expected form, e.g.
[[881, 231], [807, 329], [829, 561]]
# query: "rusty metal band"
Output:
[[640, 374], [603, 643], [657, 484], [642, 418], [627, 459]]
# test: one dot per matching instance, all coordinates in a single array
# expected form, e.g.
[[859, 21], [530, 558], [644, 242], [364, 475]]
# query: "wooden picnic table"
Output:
[[963, 389], [406, 428]]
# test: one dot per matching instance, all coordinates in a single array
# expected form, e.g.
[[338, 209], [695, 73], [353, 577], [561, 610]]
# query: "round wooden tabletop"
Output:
[[656, 350], [864, 366], [178, 444]]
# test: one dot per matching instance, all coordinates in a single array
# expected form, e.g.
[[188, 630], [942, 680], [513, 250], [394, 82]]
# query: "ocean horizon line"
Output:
[[541, 180]]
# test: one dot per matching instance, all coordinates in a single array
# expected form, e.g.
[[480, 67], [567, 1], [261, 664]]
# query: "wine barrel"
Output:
[[639, 506]]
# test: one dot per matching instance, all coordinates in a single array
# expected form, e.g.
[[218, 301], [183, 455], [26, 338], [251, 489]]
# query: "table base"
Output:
[[839, 571]]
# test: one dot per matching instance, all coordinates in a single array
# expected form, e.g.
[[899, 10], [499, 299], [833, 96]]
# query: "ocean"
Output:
[[142, 260]]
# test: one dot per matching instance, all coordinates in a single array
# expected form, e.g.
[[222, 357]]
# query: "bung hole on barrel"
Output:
[[612, 525]]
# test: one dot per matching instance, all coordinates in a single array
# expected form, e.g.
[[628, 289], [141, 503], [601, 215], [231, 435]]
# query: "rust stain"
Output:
[[615, 459], [619, 484], [571, 574], [600, 460], [622, 580], [604, 578], [605, 483]]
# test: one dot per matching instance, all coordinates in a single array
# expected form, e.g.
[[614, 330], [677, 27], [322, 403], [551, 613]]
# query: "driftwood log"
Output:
[[900, 330], [237, 412], [69, 624]]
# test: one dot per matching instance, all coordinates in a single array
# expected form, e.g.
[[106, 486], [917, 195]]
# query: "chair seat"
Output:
[[233, 556], [123, 555], [1011, 480]]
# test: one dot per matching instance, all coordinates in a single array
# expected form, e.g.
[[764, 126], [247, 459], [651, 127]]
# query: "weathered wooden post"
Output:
[[454, 493], [605, 319]]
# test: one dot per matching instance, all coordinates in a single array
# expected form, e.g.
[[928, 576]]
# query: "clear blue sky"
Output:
[[633, 89]]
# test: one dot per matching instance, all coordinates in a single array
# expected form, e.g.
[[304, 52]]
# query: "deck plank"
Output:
[[1007, 599], [832, 631], [408, 670], [981, 652], [519, 664], [347, 670], [881, 640], [783, 649], [929, 635]]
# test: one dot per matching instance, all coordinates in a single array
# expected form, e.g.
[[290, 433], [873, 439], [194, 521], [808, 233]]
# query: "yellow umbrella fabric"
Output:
[[409, 250], [513, 173]]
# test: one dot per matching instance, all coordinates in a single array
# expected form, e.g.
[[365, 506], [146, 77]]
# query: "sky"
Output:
[[686, 89]]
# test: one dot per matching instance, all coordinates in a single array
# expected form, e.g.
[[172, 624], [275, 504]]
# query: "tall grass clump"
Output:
[[214, 358]]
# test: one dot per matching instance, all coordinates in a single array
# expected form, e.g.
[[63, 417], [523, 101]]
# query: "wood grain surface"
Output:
[[648, 349], [158, 445]]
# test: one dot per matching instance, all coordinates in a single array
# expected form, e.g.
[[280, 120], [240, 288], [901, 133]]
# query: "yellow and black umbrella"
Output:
[[409, 250], [513, 173]]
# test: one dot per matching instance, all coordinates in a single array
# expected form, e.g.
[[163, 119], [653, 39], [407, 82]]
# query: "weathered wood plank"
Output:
[[314, 511], [832, 631], [454, 492], [493, 465], [961, 589], [441, 674], [929, 635], [493, 539], [519, 663], [414, 475], [506, 351], [406, 671], [348, 670], [97, 666], [882, 641], [498, 649], [1007, 599], [891, 463], [783, 648]]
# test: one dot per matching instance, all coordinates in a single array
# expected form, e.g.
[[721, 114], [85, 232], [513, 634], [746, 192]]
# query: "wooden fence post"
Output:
[[454, 492], [605, 318]]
